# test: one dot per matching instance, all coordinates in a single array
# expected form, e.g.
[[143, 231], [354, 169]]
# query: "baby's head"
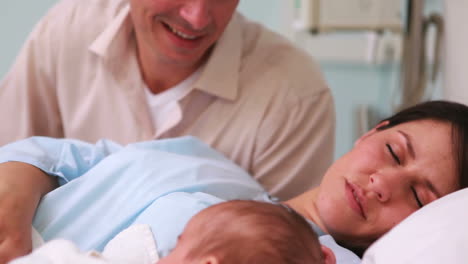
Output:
[[243, 232]]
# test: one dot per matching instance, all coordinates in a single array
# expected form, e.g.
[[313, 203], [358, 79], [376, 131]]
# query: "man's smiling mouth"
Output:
[[180, 34]]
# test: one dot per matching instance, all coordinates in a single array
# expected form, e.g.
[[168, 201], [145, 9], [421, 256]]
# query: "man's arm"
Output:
[[65, 158], [25, 176], [21, 188]]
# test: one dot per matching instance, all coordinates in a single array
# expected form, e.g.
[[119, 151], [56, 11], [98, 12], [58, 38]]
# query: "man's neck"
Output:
[[160, 75], [163, 79], [160, 78]]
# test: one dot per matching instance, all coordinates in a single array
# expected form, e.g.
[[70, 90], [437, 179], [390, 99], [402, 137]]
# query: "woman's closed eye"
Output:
[[394, 156], [416, 197]]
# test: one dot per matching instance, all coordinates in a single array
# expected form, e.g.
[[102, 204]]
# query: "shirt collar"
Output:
[[220, 76], [112, 41]]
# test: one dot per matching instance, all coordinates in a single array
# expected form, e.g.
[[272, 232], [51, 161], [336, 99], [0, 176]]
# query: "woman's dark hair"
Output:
[[454, 113]]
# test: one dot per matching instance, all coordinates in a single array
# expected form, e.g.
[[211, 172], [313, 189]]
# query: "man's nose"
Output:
[[197, 13]]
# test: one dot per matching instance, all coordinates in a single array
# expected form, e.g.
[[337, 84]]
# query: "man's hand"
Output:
[[15, 233], [21, 188]]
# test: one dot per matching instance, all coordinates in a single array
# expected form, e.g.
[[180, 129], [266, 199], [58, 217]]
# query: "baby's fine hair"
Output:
[[251, 232]]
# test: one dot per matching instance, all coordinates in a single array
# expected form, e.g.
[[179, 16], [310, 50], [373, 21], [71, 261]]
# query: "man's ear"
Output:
[[209, 260], [372, 131], [328, 255]]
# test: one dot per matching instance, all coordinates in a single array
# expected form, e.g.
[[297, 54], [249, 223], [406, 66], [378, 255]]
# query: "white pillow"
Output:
[[438, 233]]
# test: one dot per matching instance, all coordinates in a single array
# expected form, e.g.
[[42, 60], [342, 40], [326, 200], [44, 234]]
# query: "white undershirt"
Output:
[[164, 106]]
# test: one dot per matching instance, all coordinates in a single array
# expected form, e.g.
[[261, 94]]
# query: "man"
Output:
[[146, 69]]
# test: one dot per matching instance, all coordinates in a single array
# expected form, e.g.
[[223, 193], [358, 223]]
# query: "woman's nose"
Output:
[[381, 187], [196, 13]]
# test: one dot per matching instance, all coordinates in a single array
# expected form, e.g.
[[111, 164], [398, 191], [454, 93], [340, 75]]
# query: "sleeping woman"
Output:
[[405, 162]]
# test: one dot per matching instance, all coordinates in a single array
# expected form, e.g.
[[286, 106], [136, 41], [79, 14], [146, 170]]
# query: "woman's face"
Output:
[[386, 176]]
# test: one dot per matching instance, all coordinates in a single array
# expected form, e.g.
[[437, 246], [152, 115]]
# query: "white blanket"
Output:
[[135, 245]]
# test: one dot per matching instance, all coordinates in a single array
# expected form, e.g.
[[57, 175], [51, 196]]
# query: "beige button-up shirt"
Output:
[[259, 100]]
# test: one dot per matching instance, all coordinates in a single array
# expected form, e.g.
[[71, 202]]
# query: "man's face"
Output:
[[179, 31]]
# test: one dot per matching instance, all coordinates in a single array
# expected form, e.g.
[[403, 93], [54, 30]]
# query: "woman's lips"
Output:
[[355, 197]]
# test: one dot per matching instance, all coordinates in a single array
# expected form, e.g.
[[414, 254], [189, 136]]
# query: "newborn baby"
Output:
[[229, 232]]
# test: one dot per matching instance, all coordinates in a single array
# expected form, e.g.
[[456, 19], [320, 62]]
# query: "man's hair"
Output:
[[242, 232]]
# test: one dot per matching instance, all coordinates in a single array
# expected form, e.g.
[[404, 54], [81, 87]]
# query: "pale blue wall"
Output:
[[353, 84], [17, 18], [357, 85], [263, 11]]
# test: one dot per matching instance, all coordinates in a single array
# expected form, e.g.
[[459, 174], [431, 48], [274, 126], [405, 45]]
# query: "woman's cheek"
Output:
[[331, 209]]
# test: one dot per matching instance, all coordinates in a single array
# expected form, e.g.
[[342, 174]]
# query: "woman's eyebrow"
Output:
[[409, 145]]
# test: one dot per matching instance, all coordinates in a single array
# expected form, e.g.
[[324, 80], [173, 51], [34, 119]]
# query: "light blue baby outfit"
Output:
[[106, 187]]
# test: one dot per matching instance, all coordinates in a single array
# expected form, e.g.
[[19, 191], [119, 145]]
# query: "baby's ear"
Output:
[[328, 255], [209, 260]]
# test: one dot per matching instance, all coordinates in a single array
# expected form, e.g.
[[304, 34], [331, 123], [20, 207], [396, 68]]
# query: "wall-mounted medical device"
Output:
[[331, 15], [369, 31]]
